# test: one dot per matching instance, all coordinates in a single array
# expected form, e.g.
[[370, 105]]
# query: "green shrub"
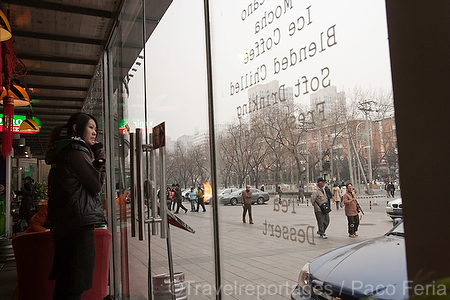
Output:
[[40, 191]]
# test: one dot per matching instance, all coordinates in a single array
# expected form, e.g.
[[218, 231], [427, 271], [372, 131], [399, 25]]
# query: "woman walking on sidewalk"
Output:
[[351, 211], [336, 195]]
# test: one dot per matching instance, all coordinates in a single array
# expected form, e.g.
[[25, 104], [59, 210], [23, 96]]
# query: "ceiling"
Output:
[[61, 42]]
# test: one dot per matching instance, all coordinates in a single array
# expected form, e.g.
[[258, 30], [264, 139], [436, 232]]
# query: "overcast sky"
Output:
[[351, 49]]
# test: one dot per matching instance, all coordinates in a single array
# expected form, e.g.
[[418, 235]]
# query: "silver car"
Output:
[[234, 197], [394, 208], [225, 192]]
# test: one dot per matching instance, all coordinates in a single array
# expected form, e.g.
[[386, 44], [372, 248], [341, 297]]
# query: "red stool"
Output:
[[34, 258]]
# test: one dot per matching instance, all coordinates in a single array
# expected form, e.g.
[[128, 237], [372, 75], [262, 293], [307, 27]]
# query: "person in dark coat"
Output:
[[26, 206], [74, 206], [178, 198], [329, 195], [246, 199], [392, 189]]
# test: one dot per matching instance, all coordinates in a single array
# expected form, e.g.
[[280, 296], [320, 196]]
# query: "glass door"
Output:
[[124, 113]]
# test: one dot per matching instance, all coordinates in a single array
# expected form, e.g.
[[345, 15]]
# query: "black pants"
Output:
[[200, 202], [247, 208], [73, 263], [323, 220], [179, 204], [353, 223]]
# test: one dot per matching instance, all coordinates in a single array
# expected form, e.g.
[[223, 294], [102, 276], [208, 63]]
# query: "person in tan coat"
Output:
[[246, 199], [351, 211], [336, 190]]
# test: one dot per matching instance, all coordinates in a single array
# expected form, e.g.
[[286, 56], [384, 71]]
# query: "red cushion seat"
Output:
[[34, 258]]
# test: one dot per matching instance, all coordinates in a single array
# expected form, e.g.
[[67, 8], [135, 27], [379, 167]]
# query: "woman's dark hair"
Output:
[[348, 184], [79, 119]]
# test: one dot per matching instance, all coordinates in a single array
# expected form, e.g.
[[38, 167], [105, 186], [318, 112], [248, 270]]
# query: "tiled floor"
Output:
[[255, 264], [8, 281]]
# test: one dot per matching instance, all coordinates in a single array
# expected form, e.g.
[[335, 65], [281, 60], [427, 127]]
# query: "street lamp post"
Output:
[[307, 162], [306, 126], [358, 146], [366, 107]]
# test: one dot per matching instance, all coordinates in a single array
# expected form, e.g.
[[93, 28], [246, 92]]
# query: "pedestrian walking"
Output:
[[329, 194], [279, 193], [178, 198], [343, 191], [351, 211], [169, 197], [74, 206], [301, 193], [246, 199], [386, 188], [392, 189], [200, 199], [192, 198], [336, 195], [318, 197], [174, 201]]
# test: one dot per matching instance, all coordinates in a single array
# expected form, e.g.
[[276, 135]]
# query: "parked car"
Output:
[[394, 208], [234, 197], [374, 267], [224, 192]]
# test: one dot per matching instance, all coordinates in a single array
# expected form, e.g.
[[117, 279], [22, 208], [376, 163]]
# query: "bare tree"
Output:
[[237, 147]]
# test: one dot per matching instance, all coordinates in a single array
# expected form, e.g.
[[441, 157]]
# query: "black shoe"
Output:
[[204, 210], [185, 211]]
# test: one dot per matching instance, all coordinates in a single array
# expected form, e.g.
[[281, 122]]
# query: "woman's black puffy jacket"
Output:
[[75, 182]]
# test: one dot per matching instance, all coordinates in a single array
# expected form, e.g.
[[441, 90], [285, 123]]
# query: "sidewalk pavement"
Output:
[[257, 262]]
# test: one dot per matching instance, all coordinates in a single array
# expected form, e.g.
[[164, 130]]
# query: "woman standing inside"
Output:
[[26, 206], [74, 206], [351, 211]]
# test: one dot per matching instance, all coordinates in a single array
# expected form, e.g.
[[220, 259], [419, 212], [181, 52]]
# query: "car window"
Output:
[[399, 230], [225, 192]]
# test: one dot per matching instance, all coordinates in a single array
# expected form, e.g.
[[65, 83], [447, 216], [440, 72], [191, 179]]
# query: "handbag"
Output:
[[325, 208]]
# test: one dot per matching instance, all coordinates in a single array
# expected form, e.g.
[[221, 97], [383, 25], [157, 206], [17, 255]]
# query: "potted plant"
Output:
[[40, 193]]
